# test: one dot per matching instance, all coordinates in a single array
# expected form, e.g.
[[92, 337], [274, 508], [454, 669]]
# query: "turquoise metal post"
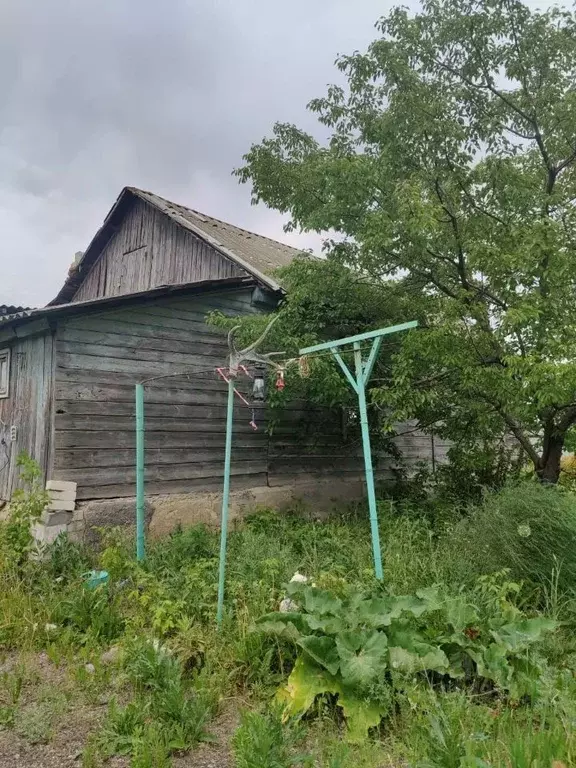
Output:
[[140, 548], [358, 384], [361, 389], [225, 499]]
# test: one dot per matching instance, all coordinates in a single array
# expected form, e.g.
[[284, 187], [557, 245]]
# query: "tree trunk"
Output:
[[548, 469]]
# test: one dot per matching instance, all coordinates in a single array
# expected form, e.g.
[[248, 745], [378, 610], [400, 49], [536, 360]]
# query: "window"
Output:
[[4, 373]]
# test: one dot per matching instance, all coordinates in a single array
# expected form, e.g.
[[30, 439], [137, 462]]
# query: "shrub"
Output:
[[149, 665], [529, 529], [362, 648], [26, 506]]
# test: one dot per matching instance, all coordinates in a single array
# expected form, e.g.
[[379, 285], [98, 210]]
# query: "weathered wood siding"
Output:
[[307, 442], [100, 357], [150, 250], [28, 408]]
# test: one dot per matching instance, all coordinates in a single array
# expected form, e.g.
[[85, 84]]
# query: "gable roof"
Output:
[[257, 255]]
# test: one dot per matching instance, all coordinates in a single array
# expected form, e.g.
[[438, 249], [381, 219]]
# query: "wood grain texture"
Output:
[[28, 408], [99, 358], [149, 250]]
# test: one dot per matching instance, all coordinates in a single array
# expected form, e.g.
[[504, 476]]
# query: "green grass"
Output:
[[175, 671]]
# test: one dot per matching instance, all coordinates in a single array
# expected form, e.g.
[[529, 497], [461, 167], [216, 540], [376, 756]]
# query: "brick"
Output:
[[78, 515], [62, 495], [60, 485], [56, 518], [47, 534], [60, 506]]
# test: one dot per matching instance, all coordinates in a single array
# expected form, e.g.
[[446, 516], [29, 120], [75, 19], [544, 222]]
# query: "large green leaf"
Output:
[[288, 625], [360, 715], [323, 650], [320, 601], [329, 625], [431, 597], [460, 614], [493, 665], [424, 657], [363, 656], [520, 634], [307, 680], [374, 613]]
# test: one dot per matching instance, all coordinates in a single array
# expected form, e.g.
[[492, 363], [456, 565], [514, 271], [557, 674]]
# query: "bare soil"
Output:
[[72, 728]]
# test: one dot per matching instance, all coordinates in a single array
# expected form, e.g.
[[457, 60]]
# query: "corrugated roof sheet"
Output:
[[9, 309], [261, 255]]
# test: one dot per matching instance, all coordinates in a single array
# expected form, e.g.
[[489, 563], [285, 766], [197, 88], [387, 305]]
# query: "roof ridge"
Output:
[[220, 221]]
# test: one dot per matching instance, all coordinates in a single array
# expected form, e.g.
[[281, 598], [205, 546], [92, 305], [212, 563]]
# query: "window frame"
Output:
[[5, 363]]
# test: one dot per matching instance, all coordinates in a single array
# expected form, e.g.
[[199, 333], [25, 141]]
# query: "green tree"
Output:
[[450, 167]]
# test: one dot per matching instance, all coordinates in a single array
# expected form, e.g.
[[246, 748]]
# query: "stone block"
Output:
[[62, 495], [109, 513], [61, 485], [57, 505], [47, 534], [60, 517]]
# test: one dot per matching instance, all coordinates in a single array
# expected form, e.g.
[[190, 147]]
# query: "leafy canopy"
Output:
[[450, 168]]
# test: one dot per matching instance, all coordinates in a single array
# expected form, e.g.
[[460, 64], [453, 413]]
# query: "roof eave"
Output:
[[59, 310]]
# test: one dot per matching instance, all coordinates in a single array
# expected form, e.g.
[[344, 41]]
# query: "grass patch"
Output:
[[172, 671]]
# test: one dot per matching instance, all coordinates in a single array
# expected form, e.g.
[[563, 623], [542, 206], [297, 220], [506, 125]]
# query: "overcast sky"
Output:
[[95, 96]]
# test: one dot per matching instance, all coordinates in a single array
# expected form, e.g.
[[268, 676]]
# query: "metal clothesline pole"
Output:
[[140, 504], [225, 500], [363, 370]]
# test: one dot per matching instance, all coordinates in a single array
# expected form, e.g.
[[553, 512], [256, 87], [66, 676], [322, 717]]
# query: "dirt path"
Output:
[[53, 723]]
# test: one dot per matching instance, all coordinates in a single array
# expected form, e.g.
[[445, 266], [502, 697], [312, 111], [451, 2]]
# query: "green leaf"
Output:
[[520, 634], [321, 602], [374, 613], [327, 624], [287, 625], [493, 665], [363, 656], [415, 606], [307, 680], [360, 715], [460, 614], [323, 650], [426, 657], [431, 597]]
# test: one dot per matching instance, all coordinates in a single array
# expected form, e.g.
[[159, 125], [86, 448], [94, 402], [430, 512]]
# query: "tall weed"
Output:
[[529, 529]]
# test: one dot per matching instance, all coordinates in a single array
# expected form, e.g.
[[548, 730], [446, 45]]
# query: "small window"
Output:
[[4, 373]]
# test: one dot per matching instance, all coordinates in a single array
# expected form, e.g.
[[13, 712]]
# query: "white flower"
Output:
[[299, 578], [524, 530]]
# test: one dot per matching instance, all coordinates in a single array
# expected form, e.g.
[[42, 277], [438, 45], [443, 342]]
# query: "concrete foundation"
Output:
[[318, 498]]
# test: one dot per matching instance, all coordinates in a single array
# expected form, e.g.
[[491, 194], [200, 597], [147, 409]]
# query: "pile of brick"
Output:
[[60, 515]]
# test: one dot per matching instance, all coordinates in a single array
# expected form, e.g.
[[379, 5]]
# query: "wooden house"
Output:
[[134, 307]]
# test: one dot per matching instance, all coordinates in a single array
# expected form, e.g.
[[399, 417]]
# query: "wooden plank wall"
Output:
[[28, 408], [99, 360], [101, 356], [150, 250]]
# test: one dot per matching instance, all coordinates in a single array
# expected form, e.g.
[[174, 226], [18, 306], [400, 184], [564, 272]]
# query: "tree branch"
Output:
[[519, 434]]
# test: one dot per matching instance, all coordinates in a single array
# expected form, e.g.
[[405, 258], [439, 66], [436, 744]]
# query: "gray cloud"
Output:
[[97, 95]]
